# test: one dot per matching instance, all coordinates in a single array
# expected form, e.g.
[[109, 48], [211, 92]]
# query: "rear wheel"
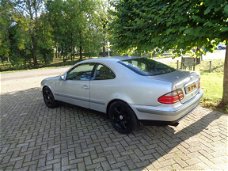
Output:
[[49, 99], [122, 117]]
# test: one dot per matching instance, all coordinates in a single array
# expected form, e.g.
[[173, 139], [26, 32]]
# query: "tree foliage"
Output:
[[32, 30], [5, 22], [166, 24], [178, 25], [75, 25]]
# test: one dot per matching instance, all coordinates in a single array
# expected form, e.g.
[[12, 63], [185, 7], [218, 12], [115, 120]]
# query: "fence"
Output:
[[190, 64]]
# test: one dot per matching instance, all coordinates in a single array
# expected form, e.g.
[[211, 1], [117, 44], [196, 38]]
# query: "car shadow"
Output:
[[84, 139]]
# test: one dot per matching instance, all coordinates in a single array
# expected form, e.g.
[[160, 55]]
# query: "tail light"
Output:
[[172, 97]]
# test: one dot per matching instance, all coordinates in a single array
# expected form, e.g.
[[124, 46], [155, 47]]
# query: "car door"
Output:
[[75, 88], [101, 87]]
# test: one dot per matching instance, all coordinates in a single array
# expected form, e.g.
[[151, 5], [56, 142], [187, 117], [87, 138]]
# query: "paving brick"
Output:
[[34, 162], [76, 161], [44, 168], [18, 164], [98, 160], [56, 166], [105, 165], [117, 165], [42, 162], [93, 166], [88, 160]]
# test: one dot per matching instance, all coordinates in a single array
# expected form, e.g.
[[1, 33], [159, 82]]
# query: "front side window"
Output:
[[81, 72], [147, 67], [103, 73]]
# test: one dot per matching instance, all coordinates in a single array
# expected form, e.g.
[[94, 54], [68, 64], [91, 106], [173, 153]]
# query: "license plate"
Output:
[[190, 88]]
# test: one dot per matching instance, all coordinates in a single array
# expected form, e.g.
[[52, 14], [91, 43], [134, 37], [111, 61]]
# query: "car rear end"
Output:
[[182, 94]]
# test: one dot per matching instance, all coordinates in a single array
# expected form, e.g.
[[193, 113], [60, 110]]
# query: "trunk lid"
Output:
[[188, 82]]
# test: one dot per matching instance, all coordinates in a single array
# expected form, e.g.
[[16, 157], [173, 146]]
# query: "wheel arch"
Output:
[[46, 86], [49, 88], [116, 100], [112, 101]]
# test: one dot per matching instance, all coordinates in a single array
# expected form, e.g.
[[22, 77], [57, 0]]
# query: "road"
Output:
[[21, 80]]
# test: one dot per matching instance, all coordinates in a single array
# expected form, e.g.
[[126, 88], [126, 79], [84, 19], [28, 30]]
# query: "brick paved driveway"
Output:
[[34, 137]]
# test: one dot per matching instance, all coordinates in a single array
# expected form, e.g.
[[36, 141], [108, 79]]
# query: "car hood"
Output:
[[44, 81], [52, 78]]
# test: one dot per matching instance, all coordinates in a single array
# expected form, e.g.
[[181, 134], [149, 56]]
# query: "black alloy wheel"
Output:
[[49, 99], [122, 117]]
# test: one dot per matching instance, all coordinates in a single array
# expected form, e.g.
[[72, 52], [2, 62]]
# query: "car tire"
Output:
[[122, 117], [49, 98]]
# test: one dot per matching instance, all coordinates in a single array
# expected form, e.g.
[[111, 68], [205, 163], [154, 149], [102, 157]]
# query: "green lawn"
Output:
[[212, 85]]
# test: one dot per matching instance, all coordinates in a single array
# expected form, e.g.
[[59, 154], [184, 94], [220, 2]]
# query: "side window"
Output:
[[103, 73], [81, 72]]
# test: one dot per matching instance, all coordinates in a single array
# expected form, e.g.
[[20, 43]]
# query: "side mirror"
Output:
[[63, 77]]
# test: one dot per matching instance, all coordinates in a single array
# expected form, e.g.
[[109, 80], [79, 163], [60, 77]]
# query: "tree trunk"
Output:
[[104, 53], [71, 47], [225, 78], [34, 50], [72, 53], [80, 52], [80, 45], [56, 51]]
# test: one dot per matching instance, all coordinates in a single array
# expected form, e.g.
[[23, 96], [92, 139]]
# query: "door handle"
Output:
[[85, 86]]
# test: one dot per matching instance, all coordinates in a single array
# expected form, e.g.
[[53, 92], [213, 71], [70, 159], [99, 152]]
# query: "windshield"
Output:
[[147, 67]]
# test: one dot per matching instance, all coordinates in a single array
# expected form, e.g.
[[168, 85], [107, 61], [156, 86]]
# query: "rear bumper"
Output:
[[171, 114]]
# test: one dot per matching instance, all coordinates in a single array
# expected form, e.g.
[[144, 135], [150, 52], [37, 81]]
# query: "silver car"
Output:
[[130, 90]]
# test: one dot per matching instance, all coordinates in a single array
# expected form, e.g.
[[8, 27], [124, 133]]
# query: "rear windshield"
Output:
[[147, 67]]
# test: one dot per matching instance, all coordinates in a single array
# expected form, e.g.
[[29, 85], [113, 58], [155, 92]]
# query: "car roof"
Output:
[[112, 58]]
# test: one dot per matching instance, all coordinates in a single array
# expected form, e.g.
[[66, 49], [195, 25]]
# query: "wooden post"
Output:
[[177, 64], [210, 65], [194, 65], [181, 67]]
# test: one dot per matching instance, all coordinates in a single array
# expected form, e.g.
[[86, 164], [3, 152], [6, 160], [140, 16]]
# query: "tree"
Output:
[[104, 18], [45, 41], [13, 38], [31, 10], [26, 35], [5, 22], [32, 29], [19, 42], [179, 25], [75, 26]]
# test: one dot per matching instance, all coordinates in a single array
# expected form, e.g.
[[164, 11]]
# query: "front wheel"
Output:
[[122, 117], [49, 99]]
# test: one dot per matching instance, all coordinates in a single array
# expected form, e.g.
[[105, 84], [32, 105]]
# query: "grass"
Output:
[[211, 83], [56, 63]]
